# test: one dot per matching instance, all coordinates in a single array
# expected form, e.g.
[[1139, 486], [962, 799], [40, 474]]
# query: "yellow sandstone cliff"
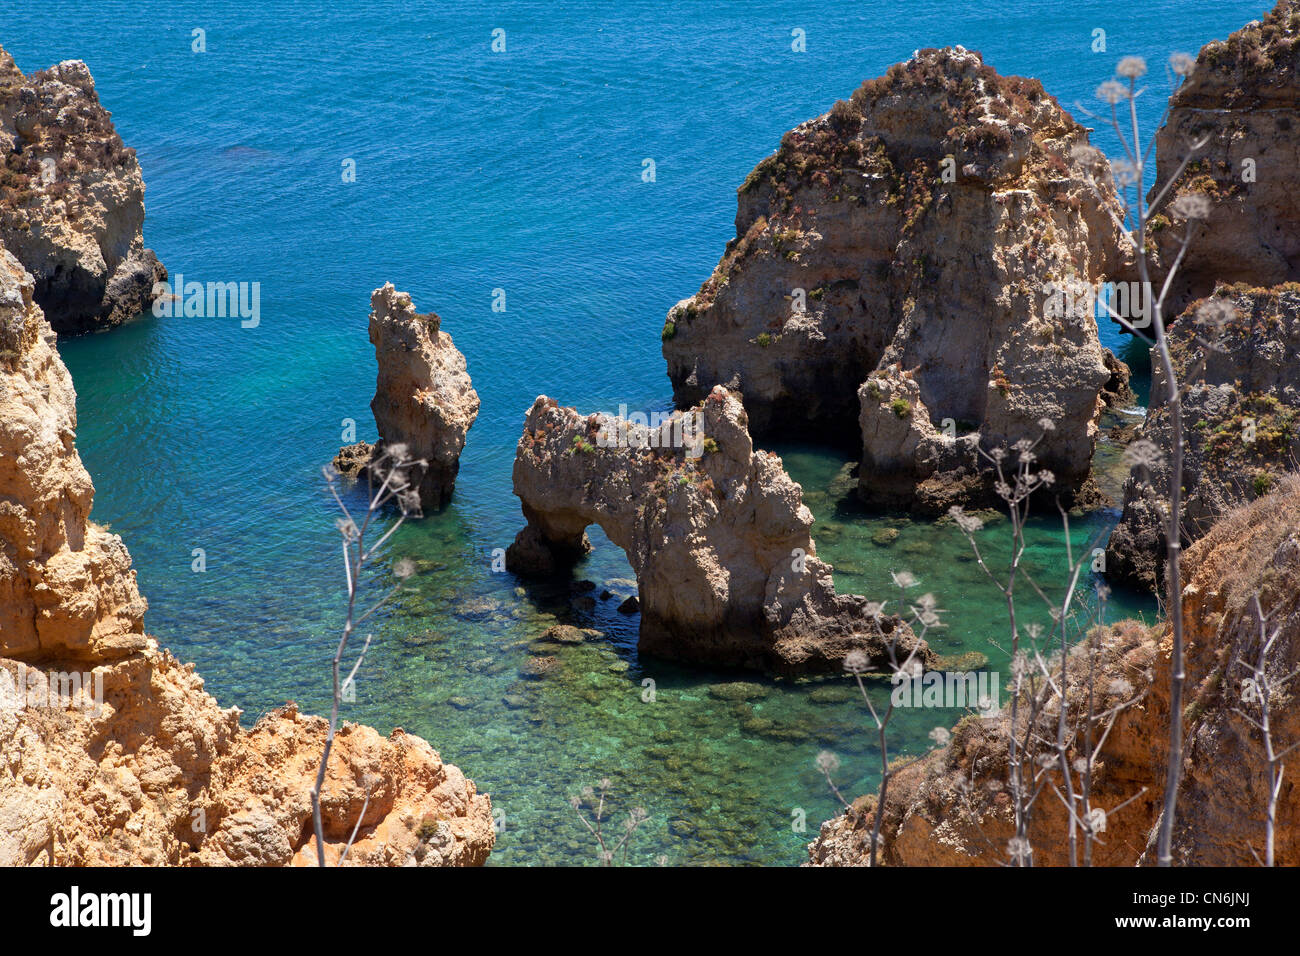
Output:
[[141, 766]]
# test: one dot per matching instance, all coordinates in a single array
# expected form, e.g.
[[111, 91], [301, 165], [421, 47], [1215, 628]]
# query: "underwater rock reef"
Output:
[[72, 206], [115, 755], [896, 279], [424, 398], [716, 532], [952, 807], [1237, 356]]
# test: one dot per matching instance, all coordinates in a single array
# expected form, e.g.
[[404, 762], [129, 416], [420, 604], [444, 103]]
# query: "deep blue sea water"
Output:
[[478, 171]]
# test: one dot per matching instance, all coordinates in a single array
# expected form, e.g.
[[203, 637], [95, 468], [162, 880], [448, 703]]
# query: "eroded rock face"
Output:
[[423, 397], [67, 590], [152, 770], [72, 207], [1244, 95], [1242, 423], [952, 807], [717, 534], [921, 229]]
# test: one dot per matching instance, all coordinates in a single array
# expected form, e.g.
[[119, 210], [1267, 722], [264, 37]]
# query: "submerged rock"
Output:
[[424, 399], [897, 275], [738, 690], [72, 206], [122, 775], [720, 540], [1242, 423]]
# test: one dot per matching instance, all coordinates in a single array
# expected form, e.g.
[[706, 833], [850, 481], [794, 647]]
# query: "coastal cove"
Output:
[[209, 434]]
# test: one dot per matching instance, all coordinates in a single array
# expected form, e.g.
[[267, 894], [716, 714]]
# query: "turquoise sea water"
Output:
[[479, 171]]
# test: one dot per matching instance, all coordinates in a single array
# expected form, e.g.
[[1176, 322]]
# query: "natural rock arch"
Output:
[[716, 533]]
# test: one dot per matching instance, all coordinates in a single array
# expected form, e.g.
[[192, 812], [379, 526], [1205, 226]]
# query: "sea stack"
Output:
[[1244, 97], [716, 532], [423, 396], [115, 755], [904, 274], [1237, 355], [73, 199]]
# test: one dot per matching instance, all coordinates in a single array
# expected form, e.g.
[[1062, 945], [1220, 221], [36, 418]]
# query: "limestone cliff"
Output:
[[423, 397], [923, 229], [72, 199], [1241, 415], [952, 807], [716, 533], [131, 762], [1244, 95]]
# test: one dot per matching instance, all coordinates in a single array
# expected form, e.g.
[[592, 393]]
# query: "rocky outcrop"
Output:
[[113, 753], [423, 397], [1241, 423], [716, 532], [924, 233], [72, 199], [1244, 95], [952, 807]]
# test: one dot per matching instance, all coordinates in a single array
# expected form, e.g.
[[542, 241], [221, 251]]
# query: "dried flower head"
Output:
[[1125, 173], [1191, 206], [403, 568], [1132, 68], [1183, 64], [1085, 155], [967, 523], [1215, 313], [1018, 848], [1112, 91], [856, 662], [827, 762], [1144, 453], [941, 736], [904, 579]]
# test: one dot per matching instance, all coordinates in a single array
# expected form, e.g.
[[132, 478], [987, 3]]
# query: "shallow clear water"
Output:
[[478, 171]]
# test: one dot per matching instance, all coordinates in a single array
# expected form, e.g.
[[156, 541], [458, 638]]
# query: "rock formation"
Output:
[[919, 236], [716, 532], [423, 397], [72, 204], [1241, 415], [1244, 95], [113, 753], [952, 807]]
